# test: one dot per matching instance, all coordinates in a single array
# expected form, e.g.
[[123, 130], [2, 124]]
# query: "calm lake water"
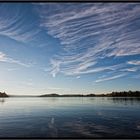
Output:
[[70, 117]]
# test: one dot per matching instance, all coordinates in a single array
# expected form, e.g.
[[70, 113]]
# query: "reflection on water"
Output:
[[2, 100], [89, 117], [126, 100], [52, 128]]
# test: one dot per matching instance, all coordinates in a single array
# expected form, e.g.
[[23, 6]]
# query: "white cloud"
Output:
[[93, 70], [12, 69], [15, 24], [78, 77], [134, 62], [90, 33], [55, 67], [130, 69], [2, 57], [5, 58], [110, 78]]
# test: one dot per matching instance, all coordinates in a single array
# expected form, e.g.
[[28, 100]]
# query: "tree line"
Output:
[[113, 94]]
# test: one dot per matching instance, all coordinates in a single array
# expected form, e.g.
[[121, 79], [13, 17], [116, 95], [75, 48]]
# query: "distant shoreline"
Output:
[[113, 94]]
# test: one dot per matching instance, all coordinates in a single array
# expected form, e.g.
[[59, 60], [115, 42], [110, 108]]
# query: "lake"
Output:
[[69, 117]]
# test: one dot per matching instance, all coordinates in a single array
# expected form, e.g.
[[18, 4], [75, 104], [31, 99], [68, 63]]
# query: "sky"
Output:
[[69, 48]]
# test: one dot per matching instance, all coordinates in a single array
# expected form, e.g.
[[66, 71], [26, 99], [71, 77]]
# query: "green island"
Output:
[[112, 94]]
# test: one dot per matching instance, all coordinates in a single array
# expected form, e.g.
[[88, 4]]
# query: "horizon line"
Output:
[[25, 95]]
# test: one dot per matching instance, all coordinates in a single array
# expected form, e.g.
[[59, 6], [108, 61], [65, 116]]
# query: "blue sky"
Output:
[[69, 47]]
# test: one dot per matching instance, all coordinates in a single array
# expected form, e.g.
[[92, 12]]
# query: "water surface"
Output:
[[70, 117]]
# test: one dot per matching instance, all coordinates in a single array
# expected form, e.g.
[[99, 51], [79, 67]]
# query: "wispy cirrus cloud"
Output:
[[90, 33], [5, 58], [134, 62], [16, 24], [55, 67], [78, 77], [73, 71], [110, 78], [134, 69]]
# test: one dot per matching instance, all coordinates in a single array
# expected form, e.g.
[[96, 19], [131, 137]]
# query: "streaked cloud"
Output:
[[90, 33], [134, 62], [134, 69], [5, 58], [82, 42], [78, 77], [55, 67], [16, 24], [12, 69], [110, 78]]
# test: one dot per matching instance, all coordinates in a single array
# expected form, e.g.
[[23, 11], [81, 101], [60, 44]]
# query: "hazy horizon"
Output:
[[39, 94], [69, 48]]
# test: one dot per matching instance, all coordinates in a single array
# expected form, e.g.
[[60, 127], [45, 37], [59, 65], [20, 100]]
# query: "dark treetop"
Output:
[[3, 94]]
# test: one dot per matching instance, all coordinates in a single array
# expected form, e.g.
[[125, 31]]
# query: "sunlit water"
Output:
[[70, 117]]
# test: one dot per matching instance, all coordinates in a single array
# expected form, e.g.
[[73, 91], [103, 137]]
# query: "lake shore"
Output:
[[113, 94]]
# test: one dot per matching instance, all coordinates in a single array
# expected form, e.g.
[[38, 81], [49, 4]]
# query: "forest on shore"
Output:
[[113, 94]]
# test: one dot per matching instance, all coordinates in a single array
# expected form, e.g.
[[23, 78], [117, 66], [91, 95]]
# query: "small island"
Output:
[[3, 94]]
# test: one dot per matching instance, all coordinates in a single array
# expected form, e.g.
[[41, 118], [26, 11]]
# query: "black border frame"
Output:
[[68, 1]]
